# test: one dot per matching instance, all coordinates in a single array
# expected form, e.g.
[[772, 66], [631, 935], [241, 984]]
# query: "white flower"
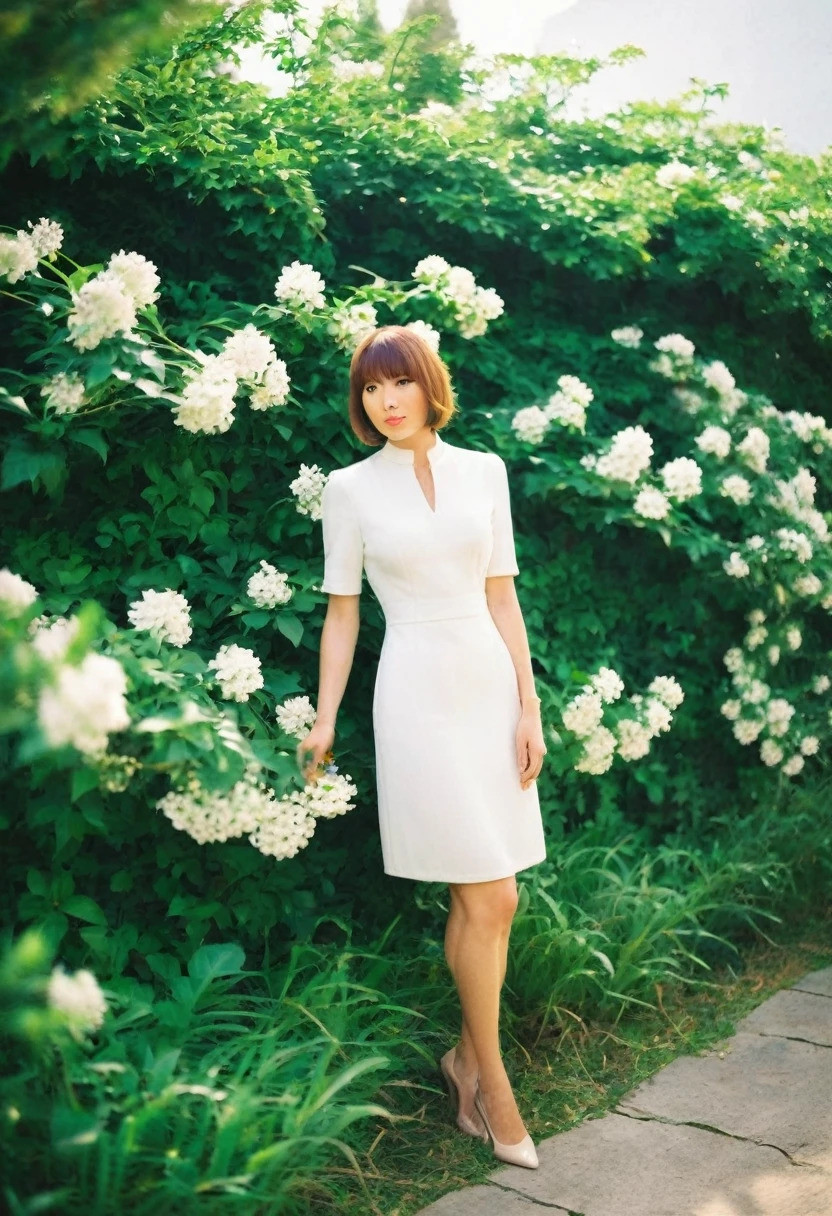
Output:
[[731, 710], [756, 616], [268, 587], [755, 637], [677, 345], [292, 820], [584, 713], [754, 449], [804, 486], [78, 997], [347, 70], [434, 110], [426, 332], [731, 202], [598, 753], [821, 684], [674, 173], [755, 543], [682, 478], [734, 659], [658, 715], [717, 376], [136, 275], [249, 351], [530, 424], [809, 745], [607, 683], [15, 593], [737, 488], [715, 441], [51, 639], [460, 284], [206, 405], [238, 671], [806, 426], [575, 389], [211, 816], [793, 765], [101, 309], [690, 401], [731, 401], [633, 739], [755, 692], [795, 542], [308, 487], [628, 335], [85, 705], [47, 237], [349, 325], [794, 638], [770, 752], [431, 270], [650, 503], [773, 654], [65, 394], [566, 411], [628, 457], [275, 387], [589, 461], [300, 286], [668, 690], [164, 614], [736, 566], [295, 716], [747, 730], [779, 714], [18, 256]]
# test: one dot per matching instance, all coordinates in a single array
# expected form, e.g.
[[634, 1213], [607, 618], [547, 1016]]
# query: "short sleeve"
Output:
[[503, 556], [343, 543]]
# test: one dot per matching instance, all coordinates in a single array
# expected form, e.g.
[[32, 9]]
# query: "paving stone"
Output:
[[817, 981], [771, 1090], [617, 1166], [795, 1015], [487, 1201]]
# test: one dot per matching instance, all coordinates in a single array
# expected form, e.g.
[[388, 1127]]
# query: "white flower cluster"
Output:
[[674, 174], [107, 303], [15, 593], [530, 424], [682, 478], [19, 254], [754, 449], [51, 638], [295, 716], [650, 503], [473, 306], [78, 998], [628, 335], [65, 394], [772, 715], [714, 441], [632, 735], [238, 671], [347, 70], [736, 566], [210, 816], [308, 487], [628, 457], [164, 614], [299, 286], [737, 488], [426, 332], [351, 323], [85, 704], [795, 498], [569, 404], [292, 820], [206, 405], [795, 542], [269, 587]]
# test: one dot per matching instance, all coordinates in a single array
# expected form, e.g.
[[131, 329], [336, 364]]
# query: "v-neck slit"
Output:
[[432, 509]]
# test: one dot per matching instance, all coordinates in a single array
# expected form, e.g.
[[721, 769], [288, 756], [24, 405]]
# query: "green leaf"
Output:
[[85, 909], [91, 439], [83, 780], [290, 627]]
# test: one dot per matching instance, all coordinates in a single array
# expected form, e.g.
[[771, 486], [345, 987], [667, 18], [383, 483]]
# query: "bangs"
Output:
[[388, 357]]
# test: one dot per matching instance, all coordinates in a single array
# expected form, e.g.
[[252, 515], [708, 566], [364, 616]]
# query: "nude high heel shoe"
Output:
[[522, 1153], [464, 1122]]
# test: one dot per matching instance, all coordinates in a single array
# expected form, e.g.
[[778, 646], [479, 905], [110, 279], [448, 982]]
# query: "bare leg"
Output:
[[478, 940]]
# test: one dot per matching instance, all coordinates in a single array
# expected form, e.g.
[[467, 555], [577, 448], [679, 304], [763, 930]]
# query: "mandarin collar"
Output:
[[407, 455]]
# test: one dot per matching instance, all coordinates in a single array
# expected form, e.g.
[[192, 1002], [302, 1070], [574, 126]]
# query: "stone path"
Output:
[[745, 1129]]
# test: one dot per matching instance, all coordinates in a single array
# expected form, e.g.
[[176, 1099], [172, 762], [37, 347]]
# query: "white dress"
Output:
[[446, 703]]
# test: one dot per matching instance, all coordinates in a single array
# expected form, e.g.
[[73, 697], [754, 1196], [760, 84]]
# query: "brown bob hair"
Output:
[[391, 351]]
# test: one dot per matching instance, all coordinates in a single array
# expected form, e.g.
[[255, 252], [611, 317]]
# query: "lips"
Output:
[[393, 421]]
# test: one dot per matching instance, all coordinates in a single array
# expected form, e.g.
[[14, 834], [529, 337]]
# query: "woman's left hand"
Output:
[[530, 746]]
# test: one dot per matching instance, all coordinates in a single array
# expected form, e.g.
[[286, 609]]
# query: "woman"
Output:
[[458, 737]]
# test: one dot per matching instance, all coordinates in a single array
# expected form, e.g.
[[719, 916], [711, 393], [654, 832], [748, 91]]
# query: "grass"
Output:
[[574, 1073]]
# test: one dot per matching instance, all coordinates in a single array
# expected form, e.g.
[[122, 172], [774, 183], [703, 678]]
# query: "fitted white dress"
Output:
[[446, 703]]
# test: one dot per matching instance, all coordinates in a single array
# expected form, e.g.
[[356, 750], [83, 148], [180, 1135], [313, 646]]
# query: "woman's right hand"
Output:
[[313, 747]]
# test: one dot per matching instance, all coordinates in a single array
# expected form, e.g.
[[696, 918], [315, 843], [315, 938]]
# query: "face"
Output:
[[397, 397]]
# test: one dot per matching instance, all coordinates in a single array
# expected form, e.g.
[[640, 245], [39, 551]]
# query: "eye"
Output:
[[404, 380]]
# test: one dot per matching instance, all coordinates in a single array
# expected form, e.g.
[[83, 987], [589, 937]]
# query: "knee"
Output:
[[489, 904]]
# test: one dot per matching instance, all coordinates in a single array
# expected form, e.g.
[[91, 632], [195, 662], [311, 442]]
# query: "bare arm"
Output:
[[338, 640], [507, 615]]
